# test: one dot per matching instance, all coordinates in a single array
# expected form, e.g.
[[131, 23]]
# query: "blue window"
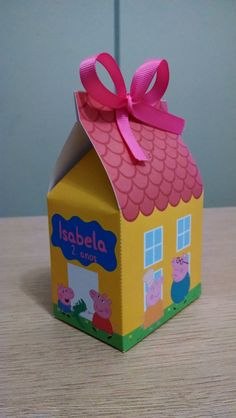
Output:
[[183, 238], [158, 274], [153, 246]]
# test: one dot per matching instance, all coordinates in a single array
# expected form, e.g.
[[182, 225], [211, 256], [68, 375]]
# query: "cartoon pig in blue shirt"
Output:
[[181, 278], [65, 295]]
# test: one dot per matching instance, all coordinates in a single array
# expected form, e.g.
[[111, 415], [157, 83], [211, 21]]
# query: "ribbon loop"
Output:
[[143, 77], [96, 88], [140, 102]]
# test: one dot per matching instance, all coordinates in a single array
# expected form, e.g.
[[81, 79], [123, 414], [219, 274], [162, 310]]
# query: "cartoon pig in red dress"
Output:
[[102, 311]]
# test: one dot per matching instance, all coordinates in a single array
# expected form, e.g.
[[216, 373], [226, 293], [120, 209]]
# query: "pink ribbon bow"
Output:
[[140, 103]]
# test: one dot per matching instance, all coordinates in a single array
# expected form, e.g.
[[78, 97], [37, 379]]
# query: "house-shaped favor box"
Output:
[[125, 237]]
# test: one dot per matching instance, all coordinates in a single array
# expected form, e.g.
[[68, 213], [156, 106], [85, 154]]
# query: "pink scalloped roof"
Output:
[[169, 176]]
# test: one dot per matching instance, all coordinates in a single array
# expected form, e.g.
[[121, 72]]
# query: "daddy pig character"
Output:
[[181, 278], [65, 294], [102, 311]]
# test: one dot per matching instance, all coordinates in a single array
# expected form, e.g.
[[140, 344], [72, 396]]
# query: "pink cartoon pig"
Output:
[[102, 311], [180, 268], [181, 278], [65, 294], [154, 292], [154, 287]]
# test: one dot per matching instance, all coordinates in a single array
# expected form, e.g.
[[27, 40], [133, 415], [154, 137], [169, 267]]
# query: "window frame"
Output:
[[153, 246], [178, 234]]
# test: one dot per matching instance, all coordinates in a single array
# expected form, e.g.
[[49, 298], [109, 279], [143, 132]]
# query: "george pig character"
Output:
[[65, 294], [102, 311], [181, 278]]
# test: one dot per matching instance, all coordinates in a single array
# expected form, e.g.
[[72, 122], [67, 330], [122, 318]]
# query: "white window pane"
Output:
[[157, 253], [149, 240], [81, 281], [158, 236], [148, 257], [180, 226], [187, 222], [180, 242]]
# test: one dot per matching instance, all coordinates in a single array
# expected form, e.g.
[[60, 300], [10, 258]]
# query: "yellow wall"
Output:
[[86, 192], [132, 256]]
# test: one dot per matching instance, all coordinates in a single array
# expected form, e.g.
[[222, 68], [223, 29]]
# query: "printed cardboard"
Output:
[[125, 236]]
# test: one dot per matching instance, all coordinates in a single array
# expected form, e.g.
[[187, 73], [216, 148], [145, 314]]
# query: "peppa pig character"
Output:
[[65, 294], [154, 303], [181, 278], [102, 308]]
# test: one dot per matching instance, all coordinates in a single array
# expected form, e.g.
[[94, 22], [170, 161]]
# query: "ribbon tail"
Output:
[[158, 118], [122, 119]]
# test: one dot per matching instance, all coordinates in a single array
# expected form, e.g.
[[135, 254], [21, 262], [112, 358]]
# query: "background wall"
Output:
[[198, 38], [42, 43]]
